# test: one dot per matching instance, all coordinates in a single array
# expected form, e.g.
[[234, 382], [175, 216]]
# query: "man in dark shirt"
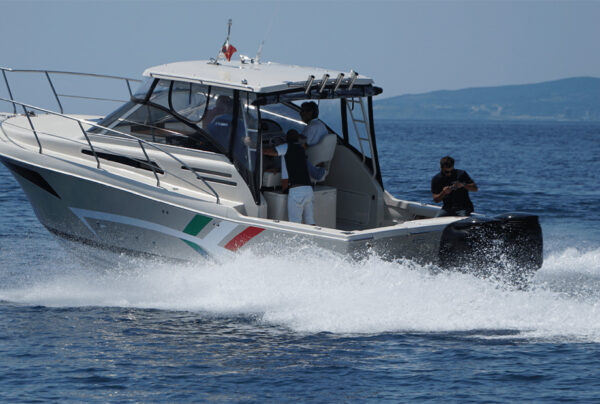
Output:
[[300, 195], [452, 186]]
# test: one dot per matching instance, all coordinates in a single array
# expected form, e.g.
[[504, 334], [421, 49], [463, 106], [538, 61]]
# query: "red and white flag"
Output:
[[228, 50]]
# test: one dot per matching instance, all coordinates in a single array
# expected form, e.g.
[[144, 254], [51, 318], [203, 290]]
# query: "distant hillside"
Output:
[[573, 99]]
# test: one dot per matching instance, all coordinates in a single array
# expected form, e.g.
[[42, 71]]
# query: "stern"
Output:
[[509, 246]]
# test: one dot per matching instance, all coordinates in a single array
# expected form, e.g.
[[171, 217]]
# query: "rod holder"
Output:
[[353, 77], [338, 82], [323, 82], [309, 83]]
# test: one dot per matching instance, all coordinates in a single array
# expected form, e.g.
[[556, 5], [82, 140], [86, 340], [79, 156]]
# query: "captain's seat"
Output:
[[322, 153]]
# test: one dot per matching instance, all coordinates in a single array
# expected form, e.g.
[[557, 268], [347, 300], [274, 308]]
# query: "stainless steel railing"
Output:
[[57, 96], [27, 108]]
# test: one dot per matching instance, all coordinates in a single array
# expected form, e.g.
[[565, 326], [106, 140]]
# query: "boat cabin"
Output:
[[230, 111]]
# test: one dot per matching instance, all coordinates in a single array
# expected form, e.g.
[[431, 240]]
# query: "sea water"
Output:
[[314, 326]]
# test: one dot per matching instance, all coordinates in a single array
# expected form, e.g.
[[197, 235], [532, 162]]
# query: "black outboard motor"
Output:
[[507, 247]]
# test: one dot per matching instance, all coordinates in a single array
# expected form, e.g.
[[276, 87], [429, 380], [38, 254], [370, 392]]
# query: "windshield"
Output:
[[141, 92], [194, 116], [189, 100]]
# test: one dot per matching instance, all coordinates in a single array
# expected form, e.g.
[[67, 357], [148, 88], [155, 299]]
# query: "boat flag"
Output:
[[228, 50]]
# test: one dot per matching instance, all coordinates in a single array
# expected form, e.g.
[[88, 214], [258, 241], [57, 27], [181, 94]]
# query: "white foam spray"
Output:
[[321, 291]]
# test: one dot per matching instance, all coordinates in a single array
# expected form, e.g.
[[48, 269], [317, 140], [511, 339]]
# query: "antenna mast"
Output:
[[226, 50], [260, 48]]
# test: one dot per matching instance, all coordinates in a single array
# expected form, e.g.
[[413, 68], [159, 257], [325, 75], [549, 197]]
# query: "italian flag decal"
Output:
[[232, 236], [204, 234], [242, 238]]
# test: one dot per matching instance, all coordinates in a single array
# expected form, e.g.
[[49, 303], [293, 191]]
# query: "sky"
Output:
[[407, 47]]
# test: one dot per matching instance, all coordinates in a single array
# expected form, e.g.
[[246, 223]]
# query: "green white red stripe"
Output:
[[204, 234]]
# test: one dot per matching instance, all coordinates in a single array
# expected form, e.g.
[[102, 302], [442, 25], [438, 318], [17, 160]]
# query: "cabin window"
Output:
[[160, 94], [151, 124], [246, 140], [142, 91], [278, 119], [329, 113], [283, 116], [217, 119], [247, 143], [189, 100], [155, 125]]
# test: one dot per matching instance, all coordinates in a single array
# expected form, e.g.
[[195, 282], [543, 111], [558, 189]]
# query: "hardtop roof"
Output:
[[266, 77]]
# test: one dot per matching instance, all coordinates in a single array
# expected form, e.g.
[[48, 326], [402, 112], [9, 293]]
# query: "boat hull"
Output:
[[122, 221]]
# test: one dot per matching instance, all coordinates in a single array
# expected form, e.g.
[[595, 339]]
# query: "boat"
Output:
[[162, 176]]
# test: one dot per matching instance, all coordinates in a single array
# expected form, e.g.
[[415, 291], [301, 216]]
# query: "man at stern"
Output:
[[452, 186]]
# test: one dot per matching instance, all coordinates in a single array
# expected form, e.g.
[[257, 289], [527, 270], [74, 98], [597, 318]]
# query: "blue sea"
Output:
[[317, 327]]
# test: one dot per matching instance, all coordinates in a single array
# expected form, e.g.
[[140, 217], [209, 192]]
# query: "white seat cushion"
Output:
[[322, 153]]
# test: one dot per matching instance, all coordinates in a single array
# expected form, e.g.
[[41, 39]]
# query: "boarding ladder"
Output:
[[360, 120]]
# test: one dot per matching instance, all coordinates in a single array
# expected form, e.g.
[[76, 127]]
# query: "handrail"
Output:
[[37, 138], [127, 135], [83, 97], [106, 76], [8, 88], [56, 94], [90, 144]]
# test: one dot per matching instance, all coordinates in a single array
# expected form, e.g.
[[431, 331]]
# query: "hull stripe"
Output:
[[238, 241], [219, 230], [196, 225], [205, 245], [196, 248]]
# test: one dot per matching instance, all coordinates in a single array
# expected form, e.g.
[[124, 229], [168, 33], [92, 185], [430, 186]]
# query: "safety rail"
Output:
[[27, 109], [58, 96]]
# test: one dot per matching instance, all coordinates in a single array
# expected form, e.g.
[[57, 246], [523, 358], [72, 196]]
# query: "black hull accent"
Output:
[[29, 175], [508, 246]]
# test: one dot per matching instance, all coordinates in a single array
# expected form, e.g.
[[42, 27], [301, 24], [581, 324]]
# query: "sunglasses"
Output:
[[448, 171]]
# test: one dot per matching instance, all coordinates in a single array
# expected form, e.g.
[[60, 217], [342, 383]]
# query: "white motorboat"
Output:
[[163, 176]]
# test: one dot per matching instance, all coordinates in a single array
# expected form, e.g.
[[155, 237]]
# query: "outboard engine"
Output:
[[508, 247]]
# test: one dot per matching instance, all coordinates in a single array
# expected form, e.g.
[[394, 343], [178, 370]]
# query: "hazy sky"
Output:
[[406, 46]]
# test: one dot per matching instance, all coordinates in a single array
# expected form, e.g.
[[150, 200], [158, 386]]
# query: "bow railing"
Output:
[[58, 96], [27, 111]]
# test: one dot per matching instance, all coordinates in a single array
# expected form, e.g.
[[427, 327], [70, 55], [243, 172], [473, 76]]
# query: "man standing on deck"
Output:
[[452, 186], [312, 134], [315, 129], [300, 195]]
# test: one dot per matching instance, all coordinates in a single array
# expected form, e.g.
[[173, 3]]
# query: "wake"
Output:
[[319, 291]]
